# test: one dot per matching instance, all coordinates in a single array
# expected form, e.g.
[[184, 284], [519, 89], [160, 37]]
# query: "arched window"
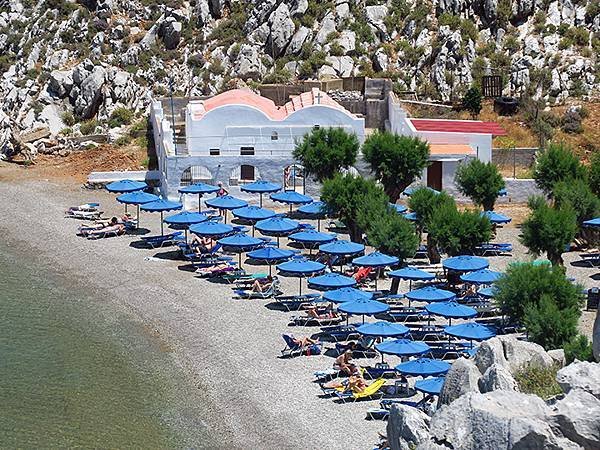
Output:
[[274, 136], [195, 174]]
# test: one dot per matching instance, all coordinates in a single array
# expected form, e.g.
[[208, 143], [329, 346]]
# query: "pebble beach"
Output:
[[228, 350]]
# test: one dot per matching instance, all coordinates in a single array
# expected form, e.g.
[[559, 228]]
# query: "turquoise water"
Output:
[[70, 381]]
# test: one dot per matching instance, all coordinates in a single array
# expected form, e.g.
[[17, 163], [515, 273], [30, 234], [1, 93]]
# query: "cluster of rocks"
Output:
[[104, 54], [480, 406], [344, 96]]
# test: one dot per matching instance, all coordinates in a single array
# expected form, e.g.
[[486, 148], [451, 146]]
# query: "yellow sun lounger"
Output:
[[371, 390]]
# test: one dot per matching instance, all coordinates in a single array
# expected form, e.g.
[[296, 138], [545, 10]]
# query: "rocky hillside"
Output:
[[63, 61]]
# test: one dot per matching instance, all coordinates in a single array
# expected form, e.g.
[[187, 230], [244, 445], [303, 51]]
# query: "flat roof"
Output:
[[458, 126], [451, 149]]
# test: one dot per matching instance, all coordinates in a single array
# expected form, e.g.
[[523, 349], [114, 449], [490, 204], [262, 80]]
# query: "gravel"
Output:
[[228, 348]]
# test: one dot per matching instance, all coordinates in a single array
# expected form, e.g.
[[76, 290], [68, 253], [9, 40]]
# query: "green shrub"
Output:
[[540, 381], [578, 35], [579, 348], [122, 141], [66, 131], [576, 194], [88, 127], [391, 233], [556, 163], [458, 232], [119, 117], [472, 101], [230, 30], [548, 325], [480, 181], [594, 173]]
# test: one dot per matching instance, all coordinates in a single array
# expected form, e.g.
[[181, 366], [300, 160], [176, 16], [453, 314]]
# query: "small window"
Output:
[[247, 151], [247, 173], [316, 127], [214, 152], [274, 136]]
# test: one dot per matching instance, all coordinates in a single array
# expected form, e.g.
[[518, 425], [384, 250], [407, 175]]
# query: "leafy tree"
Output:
[[472, 101], [424, 202], [396, 160], [324, 151], [480, 181], [458, 232], [525, 284], [350, 198], [393, 234], [577, 195], [579, 348], [594, 173], [556, 163], [548, 325], [549, 230]]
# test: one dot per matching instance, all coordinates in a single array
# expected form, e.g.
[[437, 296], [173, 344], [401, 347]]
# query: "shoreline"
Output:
[[228, 348]]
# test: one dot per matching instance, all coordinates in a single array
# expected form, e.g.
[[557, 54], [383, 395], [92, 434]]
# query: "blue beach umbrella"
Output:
[[291, 198], [200, 189], [315, 210], [402, 347], [488, 292], [502, 192], [412, 274], [161, 205], [451, 310], [225, 203], [375, 259], [241, 243], [123, 186], [400, 209], [431, 385], [261, 187], [471, 331], [430, 294], [341, 247], [465, 263], [331, 281], [184, 219], [137, 198], [410, 190], [592, 222], [277, 226], [300, 267], [383, 329], [253, 214], [495, 217], [364, 308], [212, 229], [483, 276], [271, 255], [423, 367], [346, 294], [312, 237]]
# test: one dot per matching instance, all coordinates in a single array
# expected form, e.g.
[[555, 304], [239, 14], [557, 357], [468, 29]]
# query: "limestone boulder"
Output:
[[381, 60], [463, 377], [298, 41], [521, 354], [298, 7], [343, 65], [170, 33], [495, 420], [248, 63], [89, 94], [497, 377], [407, 427], [580, 375], [491, 352], [327, 27], [558, 356], [577, 416], [282, 29], [60, 82]]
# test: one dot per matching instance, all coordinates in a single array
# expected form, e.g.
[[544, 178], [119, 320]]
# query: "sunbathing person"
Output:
[[354, 383], [203, 245], [215, 268], [327, 313], [113, 227], [303, 341], [344, 363], [261, 285], [471, 291]]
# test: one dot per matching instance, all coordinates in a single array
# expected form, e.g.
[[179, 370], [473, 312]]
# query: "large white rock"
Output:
[[347, 40], [596, 336], [407, 427], [578, 418], [282, 29], [248, 63], [490, 352], [492, 421], [580, 375], [521, 354], [60, 82], [342, 65], [463, 377], [327, 27], [497, 377], [90, 93], [298, 41]]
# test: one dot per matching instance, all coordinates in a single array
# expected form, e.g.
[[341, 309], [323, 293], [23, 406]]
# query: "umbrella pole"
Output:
[[240, 260], [199, 202], [125, 208], [138, 217], [260, 199], [300, 285], [270, 269], [277, 241], [161, 224], [319, 225], [225, 214]]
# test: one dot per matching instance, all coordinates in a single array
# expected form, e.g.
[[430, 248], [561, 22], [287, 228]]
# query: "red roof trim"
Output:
[[458, 126]]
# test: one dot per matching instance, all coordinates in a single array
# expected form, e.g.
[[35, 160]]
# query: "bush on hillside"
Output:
[[579, 348], [540, 381], [577, 195], [480, 181], [119, 117], [594, 173]]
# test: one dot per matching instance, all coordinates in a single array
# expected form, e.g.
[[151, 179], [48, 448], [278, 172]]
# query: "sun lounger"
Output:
[[337, 226], [493, 249], [449, 350], [591, 259], [247, 280], [421, 252], [406, 314], [271, 291], [379, 370], [322, 376], [84, 207], [315, 321], [191, 255], [164, 240], [217, 271], [371, 391], [363, 348], [84, 215], [340, 333], [296, 302], [101, 234], [294, 349]]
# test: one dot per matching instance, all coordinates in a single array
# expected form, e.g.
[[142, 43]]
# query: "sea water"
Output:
[[71, 378]]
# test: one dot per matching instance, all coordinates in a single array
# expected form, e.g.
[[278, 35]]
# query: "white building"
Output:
[[451, 141], [239, 136]]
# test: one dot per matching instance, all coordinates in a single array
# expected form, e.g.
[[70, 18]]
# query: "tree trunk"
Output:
[[556, 259], [432, 251], [393, 192], [354, 232], [489, 205]]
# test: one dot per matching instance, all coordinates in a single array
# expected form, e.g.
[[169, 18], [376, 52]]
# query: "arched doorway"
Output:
[[293, 178], [195, 174]]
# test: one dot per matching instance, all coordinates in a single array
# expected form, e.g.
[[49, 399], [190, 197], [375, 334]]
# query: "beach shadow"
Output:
[[275, 306], [582, 264], [138, 231], [140, 245], [187, 268], [170, 255], [596, 276]]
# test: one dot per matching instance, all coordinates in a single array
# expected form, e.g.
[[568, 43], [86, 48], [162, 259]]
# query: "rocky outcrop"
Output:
[[281, 30], [576, 417], [170, 32], [584, 376], [407, 427], [463, 377], [596, 336], [497, 377]]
